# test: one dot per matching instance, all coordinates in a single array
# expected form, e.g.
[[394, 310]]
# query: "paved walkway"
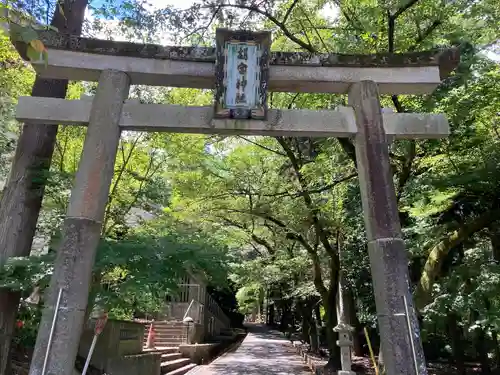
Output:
[[263, 352]]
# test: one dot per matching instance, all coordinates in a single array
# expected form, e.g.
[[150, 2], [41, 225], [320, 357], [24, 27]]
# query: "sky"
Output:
[[330, 11]]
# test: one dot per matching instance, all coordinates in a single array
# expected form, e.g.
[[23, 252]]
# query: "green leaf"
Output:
[[28, 34], [32, 54], [15, 32]]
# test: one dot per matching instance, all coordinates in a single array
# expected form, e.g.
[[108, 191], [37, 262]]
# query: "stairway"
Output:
[[167, 334], [168, 337]]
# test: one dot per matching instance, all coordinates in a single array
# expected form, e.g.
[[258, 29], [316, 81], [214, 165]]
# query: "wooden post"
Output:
[[82, 229], [388, 257]]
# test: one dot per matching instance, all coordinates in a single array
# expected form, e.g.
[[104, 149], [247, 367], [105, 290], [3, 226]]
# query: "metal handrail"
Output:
[[187, 310], [209, 304]]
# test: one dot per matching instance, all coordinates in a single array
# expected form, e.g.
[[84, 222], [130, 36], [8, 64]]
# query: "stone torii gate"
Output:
[[242, 70]]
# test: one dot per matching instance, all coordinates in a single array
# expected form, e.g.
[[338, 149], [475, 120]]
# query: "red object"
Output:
[[19, 324], [150, 344], [100, 323]]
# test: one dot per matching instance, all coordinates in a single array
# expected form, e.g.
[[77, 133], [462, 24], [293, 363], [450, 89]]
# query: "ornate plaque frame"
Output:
[[253, 107]]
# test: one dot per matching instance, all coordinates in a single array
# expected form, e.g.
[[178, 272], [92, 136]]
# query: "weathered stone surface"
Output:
[[119, 338], [140, 364], [374, 170], [388, 258], [53, 39], [90, 194], [447, 60], [389, 267], [190, 119], [83, 66], [75, 259], [81, 233]]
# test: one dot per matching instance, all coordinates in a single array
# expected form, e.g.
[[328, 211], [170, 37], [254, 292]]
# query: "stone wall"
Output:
[[142, 364], [199, 354], [119, 349]]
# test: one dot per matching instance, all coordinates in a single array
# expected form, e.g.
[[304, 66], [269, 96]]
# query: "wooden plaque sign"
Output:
[[242, 74]]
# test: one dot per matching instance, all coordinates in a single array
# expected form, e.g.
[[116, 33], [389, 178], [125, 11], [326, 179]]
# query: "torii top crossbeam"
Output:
[[76, 58]]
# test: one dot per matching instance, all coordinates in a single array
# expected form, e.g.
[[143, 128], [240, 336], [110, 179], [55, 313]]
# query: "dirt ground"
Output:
[[364, 366]]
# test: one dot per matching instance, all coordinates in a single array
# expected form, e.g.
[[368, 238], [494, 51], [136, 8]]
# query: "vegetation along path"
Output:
[[263, 352]]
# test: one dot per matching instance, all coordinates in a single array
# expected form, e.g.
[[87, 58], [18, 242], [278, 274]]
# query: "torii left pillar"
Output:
[[81, 231]]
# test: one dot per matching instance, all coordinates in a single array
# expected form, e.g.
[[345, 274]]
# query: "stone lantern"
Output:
[[345, 344]]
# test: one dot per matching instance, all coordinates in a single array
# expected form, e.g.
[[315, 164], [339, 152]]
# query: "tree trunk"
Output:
[[285, 317], [309, 328], [481, 345], [496, 349], [357, 342], [456, 344], [331, 320], [271, 315], [433, 265], [494, 233], [305, 326], [480, 340], [317, 314], [313, 337], [331, 336], [22, 196]]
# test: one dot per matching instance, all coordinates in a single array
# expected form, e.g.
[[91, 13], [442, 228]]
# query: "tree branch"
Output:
[[390, 31], [425, 34], [278, 23], [349, 149], [315, 30], [258, 240], [392, 21], [262, 146], [125, 160], [150, 171], [405, 174], [433, 265], [404, 8], [350, 17], [313, 211], [289, 11]]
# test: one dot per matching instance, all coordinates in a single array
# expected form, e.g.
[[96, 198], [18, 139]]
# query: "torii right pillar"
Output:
[[401, 347]]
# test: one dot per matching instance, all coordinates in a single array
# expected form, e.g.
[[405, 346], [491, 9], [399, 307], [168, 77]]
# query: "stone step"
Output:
[[168, 335], [170, 343], [169, 329], [166, 330], [167, 324], [168, 349], [169, 366], [170, 357], [169, 332], [168, 338], [167, 344], [182, 370]]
